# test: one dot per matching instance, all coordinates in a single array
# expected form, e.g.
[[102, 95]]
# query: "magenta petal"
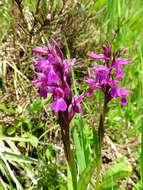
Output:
[[93, 83], [42, 80], [52, 77], [68, 64], [43, 65], [102, 74], [122, 92], [113, 92], [113, 83], [79, 98], [100, 68], [70, 112], [43, 92], [40, 50], [119, 92], [78, 109], [37, 82], [67, 91], [123, 100], [90, 81], [59, 92], [119, 72], [52, 59], [59, 105], [121, 61], [96, 56], [77, 103], [89, 92]]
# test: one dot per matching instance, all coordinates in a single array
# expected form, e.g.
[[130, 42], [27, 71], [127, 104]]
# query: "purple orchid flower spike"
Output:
[[104, 78], [54, 77]]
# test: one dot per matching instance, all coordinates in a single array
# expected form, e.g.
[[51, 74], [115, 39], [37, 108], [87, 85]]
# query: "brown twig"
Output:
[[20, 7], [31, 33]]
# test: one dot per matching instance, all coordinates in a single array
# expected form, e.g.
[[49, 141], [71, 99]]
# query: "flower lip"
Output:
[[59, 105], [121, 61], [89, 80], [40, 50], [96, 56], [100, 68], [43, 65], [122, 92], [124, 101]]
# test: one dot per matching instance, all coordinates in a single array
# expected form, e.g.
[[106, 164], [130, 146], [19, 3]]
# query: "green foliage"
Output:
[[113, 174], [80, 139], [49, 178], [86, 176]]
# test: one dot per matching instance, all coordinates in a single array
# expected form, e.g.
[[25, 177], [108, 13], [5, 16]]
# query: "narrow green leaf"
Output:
[[86, 176], [113, 174], [72, 174], [28, 138], [78, 149], [83, 132]]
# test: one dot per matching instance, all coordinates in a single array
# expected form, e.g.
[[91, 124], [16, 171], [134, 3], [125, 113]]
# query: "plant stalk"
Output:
[[65, 131], [101, 131], [66, 143]]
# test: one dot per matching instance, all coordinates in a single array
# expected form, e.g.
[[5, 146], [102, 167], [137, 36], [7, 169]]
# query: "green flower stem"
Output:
[[66, 143], [101, 131], [65, 132], [69, 155]]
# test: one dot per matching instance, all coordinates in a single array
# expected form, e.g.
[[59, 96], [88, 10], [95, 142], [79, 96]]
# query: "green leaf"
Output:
[[1, 130], [27, 138], [78, 149], [72, 174], [4, 108], [86, 176], [113, 174], [96, 144], [19, 158], [11, 130], [80, 139], [32, 139], [37, 105]]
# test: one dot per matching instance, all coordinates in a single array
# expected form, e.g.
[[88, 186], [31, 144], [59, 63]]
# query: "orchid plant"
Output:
[[106, 78], [54, 77]]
